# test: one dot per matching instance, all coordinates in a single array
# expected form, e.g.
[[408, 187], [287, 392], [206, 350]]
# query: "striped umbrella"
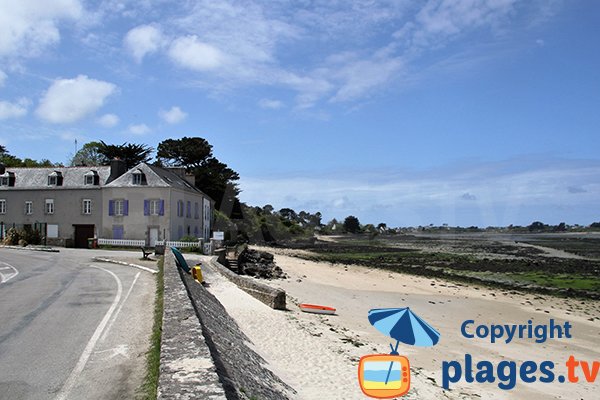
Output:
[[405, 326]]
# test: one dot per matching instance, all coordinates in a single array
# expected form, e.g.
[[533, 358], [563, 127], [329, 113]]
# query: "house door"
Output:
[[82, 233], [152, 236]]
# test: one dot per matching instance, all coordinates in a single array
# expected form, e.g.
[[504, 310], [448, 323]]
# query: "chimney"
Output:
[[117, 168], [190, 178], [179, 171], [2, 169]]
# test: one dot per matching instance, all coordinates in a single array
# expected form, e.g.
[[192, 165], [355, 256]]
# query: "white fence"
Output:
[[141, 243], [122, 242], [169, 243]]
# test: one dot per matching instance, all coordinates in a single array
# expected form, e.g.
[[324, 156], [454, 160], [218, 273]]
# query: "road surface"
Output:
[[72, 328]]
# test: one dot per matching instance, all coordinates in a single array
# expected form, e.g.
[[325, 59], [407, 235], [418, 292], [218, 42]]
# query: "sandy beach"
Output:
[[318, 355]]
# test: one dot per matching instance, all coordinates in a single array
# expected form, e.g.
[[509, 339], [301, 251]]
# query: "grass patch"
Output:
[[378, 257], [561, 281], [148, 389]]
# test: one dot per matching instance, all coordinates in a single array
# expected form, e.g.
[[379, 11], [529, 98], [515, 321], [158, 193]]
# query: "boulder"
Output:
[[259, 264]]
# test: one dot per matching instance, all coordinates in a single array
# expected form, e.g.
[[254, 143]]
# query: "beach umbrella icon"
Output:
[[405, 326]]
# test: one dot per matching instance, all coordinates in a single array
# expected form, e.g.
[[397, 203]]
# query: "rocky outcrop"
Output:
[[259, 264]]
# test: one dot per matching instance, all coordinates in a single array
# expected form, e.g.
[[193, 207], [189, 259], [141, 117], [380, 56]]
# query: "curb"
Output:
[[46, 249], [108, 260]]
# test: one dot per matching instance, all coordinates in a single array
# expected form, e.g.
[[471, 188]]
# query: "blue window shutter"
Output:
[[125, 207], [111, 207], [161, 210], [146, 207]]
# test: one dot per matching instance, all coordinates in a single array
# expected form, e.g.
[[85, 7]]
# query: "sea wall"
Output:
[[206, 353]]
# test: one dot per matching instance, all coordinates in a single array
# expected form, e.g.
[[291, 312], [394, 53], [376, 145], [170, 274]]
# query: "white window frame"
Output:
[[89, 180], [2, 206], [86, 206], [49, 206], [52, 180], [154, 207], [28, 207], [119, 207], [3, 180], [137, 178]]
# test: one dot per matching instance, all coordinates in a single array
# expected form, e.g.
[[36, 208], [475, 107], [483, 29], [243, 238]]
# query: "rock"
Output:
[[259, 264]]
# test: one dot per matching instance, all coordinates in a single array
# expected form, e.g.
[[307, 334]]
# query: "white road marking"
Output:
[[120, 350], [7, 277], [112, 321], [72, 379]]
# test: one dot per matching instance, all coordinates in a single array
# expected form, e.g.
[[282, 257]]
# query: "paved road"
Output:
[[72, 328]]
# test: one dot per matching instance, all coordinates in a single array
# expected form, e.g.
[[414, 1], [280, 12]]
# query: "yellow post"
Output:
[[197, 273]]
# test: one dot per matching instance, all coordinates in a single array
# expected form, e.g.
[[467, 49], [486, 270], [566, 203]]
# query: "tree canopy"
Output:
[[185, 152], [212, 176], [11, 161], [351, 224], [89, 156], [131, 153]]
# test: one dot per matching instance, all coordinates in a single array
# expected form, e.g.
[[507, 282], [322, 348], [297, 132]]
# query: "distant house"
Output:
[[70, 205]]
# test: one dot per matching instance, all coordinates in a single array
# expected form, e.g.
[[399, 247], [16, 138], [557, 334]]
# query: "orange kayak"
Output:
[[316, 309]]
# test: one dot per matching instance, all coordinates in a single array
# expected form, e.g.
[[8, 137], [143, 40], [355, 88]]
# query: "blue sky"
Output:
[[408, 112]]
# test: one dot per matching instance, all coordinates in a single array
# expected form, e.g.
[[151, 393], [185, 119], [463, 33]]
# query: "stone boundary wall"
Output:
[[274, 298], [204, 354], [187, 369]]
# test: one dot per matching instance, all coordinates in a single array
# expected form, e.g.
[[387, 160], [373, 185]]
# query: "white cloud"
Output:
[[27, 27], [270, 104], [69, 100], [237, 44], [14, 110], [108, 120], [191, 53], [172, 116], [139, 129], [321, 50], [2, 78], [363, 76], [143, 40]]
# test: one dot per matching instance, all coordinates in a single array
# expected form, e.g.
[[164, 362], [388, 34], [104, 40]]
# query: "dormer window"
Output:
[[7, 179], [138, 177], [55, 179], [91, 178]]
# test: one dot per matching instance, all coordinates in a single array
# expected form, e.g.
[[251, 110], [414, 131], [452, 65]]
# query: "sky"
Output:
[[411, 113]]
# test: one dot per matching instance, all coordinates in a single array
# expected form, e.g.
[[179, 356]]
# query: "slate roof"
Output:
[[155, 177], [72, 177]]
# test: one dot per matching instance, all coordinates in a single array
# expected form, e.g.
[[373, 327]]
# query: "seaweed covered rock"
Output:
[[259, 264]]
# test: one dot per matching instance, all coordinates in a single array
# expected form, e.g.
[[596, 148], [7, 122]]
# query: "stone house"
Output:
[[68, 205]]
